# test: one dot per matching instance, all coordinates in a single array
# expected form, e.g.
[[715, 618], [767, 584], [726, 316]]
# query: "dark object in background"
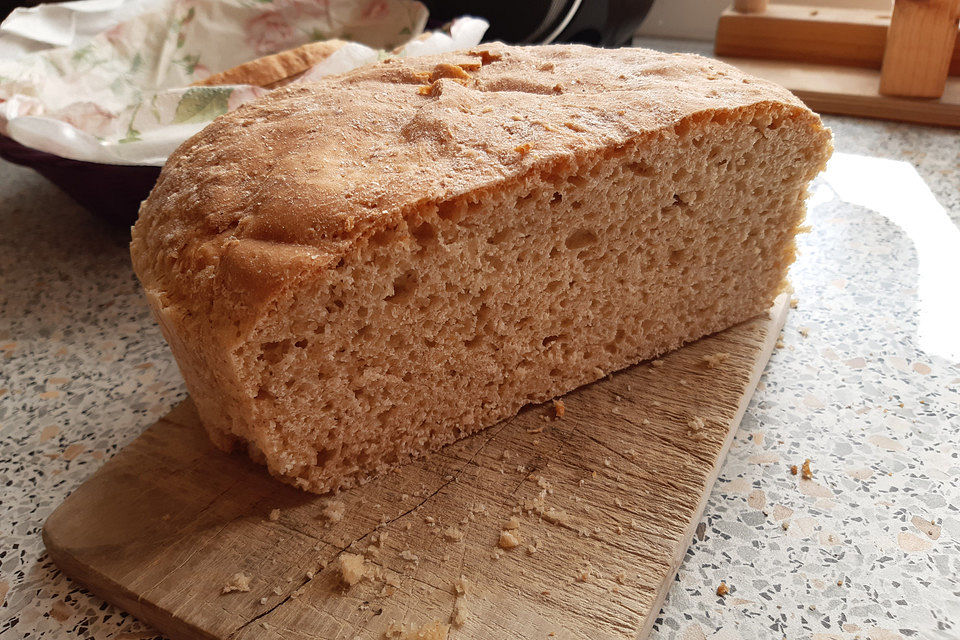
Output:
[[606, 23], [110, 191], [6, 6]]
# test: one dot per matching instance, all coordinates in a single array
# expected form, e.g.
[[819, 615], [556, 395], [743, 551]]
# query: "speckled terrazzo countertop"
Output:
[[866, 384]]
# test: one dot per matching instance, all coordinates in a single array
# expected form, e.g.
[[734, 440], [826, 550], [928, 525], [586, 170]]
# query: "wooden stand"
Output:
[[853, 61]]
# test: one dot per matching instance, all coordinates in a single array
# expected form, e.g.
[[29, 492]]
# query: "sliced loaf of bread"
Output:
[[354, 272]]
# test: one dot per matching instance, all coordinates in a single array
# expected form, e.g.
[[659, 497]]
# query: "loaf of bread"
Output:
[[354, 272]]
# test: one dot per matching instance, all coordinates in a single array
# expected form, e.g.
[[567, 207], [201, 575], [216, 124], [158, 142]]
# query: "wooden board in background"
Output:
[[853, 91], [839, 36], [623, 478]]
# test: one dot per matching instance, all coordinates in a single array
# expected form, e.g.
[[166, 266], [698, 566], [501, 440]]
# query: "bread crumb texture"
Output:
[[238, 582], [434, 630], [333, 511], [508, 540], [559, 409], [352, 569], [715, 360], [461, 589], [453, 534], [345, 288]]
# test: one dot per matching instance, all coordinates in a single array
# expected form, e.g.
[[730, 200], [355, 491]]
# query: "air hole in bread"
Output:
[[404, 287], [580, 238]]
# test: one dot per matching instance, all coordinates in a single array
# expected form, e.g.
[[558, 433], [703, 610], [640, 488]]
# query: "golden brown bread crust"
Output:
[[321, 166], [276, 70]]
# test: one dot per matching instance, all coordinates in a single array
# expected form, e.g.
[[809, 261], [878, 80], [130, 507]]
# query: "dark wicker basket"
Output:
[[110, 191]]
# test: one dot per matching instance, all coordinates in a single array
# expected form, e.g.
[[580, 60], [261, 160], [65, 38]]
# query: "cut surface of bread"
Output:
[[356, 272]]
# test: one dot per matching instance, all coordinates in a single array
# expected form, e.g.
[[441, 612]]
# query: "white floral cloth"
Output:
[[122, 95]]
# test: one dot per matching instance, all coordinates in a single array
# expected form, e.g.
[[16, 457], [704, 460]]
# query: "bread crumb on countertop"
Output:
[[723, 589], [238, 582], [805, 471]]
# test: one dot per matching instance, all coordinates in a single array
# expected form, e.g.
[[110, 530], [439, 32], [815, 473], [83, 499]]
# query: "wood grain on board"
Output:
[[607, 499]]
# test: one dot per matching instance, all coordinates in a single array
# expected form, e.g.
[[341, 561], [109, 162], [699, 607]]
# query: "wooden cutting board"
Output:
[[607, 499]]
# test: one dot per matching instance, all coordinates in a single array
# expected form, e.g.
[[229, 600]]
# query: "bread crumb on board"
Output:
[[352, 570], [274, 515], [460, 612], [508, 540], [723, 589], [238, 582], [435, 630], [511, 524], [695, 427], [714, 360], [453, 534], [559, 409], [657, 363], [333, 511]]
